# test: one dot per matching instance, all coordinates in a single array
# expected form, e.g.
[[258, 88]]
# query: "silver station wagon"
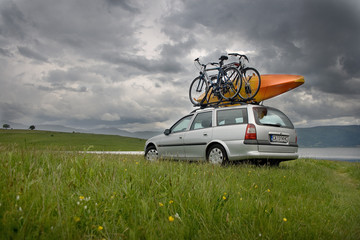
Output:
[[219, 135]]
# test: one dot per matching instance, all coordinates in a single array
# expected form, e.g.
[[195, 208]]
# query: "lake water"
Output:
[[339, 154]]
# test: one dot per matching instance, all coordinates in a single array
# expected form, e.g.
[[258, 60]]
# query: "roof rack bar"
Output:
[[224, 103]]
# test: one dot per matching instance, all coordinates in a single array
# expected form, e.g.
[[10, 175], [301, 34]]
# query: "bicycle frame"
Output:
[[213, 87]]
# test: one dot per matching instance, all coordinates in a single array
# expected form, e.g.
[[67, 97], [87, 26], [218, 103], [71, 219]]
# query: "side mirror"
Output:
[[167, 132]]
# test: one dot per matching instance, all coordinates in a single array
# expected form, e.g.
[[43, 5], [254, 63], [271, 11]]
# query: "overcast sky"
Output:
[[129, 63]]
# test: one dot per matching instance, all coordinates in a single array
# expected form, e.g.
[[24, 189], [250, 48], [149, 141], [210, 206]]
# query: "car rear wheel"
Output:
[[151, 154], [217, 154]]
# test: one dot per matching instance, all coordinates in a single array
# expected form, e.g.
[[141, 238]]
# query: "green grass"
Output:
[[69, 141], [52, 195]]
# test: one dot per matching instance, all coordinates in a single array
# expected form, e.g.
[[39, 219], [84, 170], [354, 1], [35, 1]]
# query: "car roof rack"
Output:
[[226, 103]]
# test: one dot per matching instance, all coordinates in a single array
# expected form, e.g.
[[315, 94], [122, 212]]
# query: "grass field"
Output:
[[69, 141], [70, 195]]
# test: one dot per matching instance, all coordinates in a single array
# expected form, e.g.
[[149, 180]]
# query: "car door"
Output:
[[172, 144], [198, 136]]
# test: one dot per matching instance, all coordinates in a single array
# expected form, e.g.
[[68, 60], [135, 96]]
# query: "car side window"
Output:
[[202, 120], [181, 125], [232, 116]]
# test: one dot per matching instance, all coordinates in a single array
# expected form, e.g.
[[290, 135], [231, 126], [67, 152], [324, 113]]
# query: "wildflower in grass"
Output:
[[113, 196], [100, 228], [17, 197], [224, 198], [20, 209], [171, 202], [76, 219], [285, 219], [256, 186], [81, 198], [171, 218], [177, 216], [161, 204], [268, 190]]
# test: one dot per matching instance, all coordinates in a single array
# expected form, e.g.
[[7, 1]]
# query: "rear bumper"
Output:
[[262, 151], [266, 143], [265, 155]]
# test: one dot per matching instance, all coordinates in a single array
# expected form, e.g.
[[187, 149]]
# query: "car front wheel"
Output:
[[151, 154], [217, 154]]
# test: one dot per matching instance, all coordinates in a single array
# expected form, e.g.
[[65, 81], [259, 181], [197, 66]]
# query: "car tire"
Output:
[[216, 155], [151, 154]]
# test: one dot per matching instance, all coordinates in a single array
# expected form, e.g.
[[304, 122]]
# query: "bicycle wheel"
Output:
[[251, 81], [231, 83], [198, 90]]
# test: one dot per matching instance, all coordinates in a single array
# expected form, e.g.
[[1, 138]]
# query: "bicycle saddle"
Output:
[[222, 58]]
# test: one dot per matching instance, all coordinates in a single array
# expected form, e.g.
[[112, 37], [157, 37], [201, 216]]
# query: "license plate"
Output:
[[279, 138]]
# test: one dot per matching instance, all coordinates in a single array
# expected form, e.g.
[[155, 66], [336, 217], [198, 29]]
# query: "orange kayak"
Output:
[[275, 84], [271, 85]]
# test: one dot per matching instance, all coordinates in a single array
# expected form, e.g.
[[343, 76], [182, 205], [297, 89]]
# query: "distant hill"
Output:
[[329, 136], [322, 136]]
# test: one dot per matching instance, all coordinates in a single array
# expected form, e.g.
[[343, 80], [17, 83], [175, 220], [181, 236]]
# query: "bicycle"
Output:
[[250, 77], [225, 85]]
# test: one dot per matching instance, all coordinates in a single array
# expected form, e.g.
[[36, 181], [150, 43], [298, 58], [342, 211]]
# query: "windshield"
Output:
[[271, 117]]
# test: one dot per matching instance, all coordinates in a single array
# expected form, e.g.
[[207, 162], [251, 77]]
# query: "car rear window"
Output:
[[271, 117], [232, 116]]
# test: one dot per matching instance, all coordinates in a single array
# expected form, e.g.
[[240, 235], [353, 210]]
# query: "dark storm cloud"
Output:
[[319, 39], [125, 62], [169, 61], [57, 87], [142, 64], [26, 52], [5, 52], [12, 20], [126, 5], [321, 43], [13, 111]]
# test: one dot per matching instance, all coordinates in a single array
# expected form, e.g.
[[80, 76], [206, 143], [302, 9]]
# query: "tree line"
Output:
[[7, 126]]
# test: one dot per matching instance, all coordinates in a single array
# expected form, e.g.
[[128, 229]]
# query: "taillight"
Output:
[[250, 132]]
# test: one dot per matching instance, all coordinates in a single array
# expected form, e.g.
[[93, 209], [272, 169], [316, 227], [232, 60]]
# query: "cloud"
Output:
[[13, 21], [26, 52], [128, 64], [5, 52], [123, 4]]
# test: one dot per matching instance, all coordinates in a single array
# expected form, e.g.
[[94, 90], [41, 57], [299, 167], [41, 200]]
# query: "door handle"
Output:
[[180, 137], [205, 134]]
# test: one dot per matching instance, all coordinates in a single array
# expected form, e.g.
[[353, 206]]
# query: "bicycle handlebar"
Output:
[[210, 63], [239, 55]]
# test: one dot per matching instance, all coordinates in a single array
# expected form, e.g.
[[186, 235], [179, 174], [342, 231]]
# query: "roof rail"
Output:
[[224, 104]]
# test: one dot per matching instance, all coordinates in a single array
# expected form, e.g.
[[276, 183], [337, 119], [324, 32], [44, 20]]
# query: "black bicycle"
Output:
[[226, 84], [250, 77]]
